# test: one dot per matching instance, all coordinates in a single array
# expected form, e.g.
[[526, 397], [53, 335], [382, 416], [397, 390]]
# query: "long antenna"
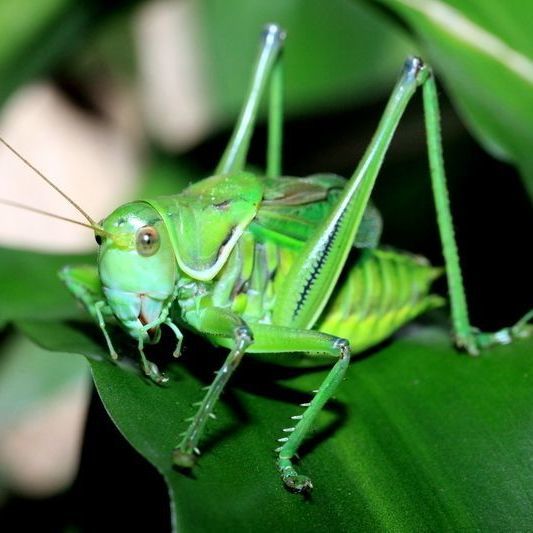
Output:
[[94, 227], [53, 185]]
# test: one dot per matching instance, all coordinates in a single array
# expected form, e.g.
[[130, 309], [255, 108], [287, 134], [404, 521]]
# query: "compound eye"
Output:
[[98, 239], [147, 241]]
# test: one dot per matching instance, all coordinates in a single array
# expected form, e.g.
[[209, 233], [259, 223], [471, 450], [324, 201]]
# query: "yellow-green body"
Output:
[[381, 289], [229, 243]]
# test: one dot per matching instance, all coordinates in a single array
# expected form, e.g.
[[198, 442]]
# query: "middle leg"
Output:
[[228, 330], [216, 322], [280, 340]]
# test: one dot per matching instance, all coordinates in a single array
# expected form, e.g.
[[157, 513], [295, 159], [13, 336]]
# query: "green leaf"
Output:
[[336, 52], [29, 376], [484, 54], [37, 36], [419, 437], [30, 287], [165, 175]]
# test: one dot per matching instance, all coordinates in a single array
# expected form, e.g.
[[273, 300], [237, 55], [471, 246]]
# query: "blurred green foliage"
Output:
[[36, 36], [484, 54], [338, 51], [30, 375]]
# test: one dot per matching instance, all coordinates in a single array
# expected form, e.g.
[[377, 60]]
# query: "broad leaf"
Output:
[[37, 36], [30, 376], [30, 287], [484, 54], [419, 437], [336, 52]]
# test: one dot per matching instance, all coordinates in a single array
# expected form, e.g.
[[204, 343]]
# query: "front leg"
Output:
[[84, 283]]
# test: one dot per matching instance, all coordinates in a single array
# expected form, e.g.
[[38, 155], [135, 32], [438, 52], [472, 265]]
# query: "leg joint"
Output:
[[344, 348], [243, 334], [272, 33], [414, 67]]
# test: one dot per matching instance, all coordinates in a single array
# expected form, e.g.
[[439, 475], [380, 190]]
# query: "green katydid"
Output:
[[253, 262]]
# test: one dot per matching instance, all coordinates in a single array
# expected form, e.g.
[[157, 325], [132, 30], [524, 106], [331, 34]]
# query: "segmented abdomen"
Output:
[[384, 290]]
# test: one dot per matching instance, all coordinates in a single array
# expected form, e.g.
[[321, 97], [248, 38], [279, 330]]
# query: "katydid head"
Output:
[[135, 262], [137, 265]]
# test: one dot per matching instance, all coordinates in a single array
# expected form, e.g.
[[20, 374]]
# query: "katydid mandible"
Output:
[[253, 262]]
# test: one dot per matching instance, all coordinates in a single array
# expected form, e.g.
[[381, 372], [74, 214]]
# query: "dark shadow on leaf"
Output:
[[187, 472], [254, 377], [5, 333]]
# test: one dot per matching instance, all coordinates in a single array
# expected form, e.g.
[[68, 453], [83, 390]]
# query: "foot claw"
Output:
[[476, 340], [299, 484], [155, 375], [183, 459], [468, 343]]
